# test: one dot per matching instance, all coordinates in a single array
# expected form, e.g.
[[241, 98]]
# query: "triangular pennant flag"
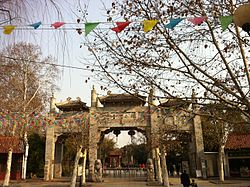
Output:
[[198, 20], [120, 26], [149, 24], [173, 23], [36, 25], [89, 27], [225, 21], [7, 29], [57, 24]]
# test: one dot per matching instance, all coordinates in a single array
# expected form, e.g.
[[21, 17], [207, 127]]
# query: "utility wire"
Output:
[[47, 63]]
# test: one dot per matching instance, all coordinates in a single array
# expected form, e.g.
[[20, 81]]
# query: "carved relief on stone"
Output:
[[104, 118], [150, 170], [98, 171]]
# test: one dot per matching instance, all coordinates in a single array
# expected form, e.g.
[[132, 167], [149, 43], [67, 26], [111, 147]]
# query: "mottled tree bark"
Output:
[[8, 169], [164, 168], [221, 163], [74, 174]]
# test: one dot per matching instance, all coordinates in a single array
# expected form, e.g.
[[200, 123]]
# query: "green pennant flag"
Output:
[[225, 21], [89, 27]]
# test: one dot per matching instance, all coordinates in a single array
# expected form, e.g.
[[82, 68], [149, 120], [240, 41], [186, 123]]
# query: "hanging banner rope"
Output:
[[148, 25]]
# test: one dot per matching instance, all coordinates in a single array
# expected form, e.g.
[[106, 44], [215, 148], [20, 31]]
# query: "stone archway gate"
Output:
[[126, 111]]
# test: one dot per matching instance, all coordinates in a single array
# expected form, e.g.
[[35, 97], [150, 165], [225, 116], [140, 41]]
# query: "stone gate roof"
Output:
[[72, 105], [123, 98], [238, 141], [7, 142]]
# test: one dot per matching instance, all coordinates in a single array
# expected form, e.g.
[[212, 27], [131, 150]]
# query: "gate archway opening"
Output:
[[127, 160]]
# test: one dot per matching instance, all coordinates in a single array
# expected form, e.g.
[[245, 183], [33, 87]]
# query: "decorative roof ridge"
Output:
[[122, 94], [70, 102]]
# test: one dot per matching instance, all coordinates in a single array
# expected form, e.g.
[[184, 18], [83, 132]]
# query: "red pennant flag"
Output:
[[120, 26], [57, 24], [198, 20]]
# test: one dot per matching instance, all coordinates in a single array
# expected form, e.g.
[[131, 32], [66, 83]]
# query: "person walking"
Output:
[[185, 180]]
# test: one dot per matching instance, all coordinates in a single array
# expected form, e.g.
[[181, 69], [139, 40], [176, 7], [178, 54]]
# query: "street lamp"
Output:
[[241, 17]]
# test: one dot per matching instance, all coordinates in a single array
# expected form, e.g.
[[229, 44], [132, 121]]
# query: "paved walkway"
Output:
[[108, 182]]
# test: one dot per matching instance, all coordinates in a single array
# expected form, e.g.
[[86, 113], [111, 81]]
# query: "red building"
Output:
[[115, 158], [238, 155], [17, 146]]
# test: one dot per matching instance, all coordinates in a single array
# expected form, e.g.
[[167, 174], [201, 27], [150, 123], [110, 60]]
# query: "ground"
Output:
[[111, 182]]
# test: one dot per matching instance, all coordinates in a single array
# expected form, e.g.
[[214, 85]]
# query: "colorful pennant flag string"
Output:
[[16, 121], [225, 21], [198, 20], [90, 26], [120, 26], [173, 23], [36, 25], [149, 24], [7, 29], [56, 25]]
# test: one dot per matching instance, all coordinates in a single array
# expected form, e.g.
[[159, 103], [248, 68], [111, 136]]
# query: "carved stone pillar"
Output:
[[94, 137], [199, 146], [58, 159], [93, 97], [155, 141], [98, 171], [92, 158], [49, 154], [150, 170]]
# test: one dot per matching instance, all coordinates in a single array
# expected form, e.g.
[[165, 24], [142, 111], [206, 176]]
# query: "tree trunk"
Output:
[[74, 174], [25, 160], [221, 163], [164, 168], [84, 167], [158, 165], [25, 156], [8, 169]]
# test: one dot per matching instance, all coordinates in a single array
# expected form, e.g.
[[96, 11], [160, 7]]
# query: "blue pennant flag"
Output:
[[36, 25], [173, 23]]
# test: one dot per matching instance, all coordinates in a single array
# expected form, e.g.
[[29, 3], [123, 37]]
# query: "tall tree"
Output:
[[26, 82]]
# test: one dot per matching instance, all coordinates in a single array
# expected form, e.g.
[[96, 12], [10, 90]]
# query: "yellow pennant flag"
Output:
[[149, 25], [7, 29]]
